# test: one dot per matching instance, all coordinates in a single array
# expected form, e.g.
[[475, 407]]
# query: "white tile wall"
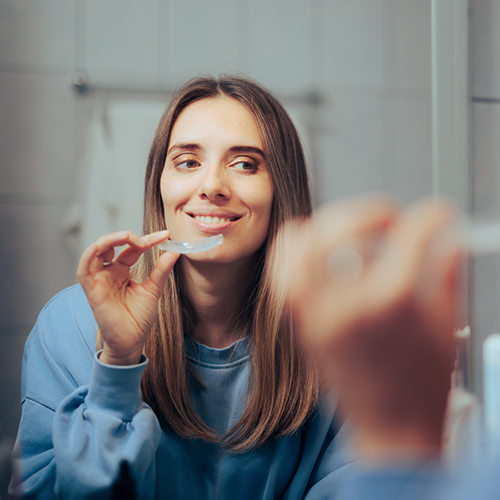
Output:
[[202, 37], [486, 120], [40, 33], [411, 45], [353, 149], [412, 146], [486, 48], [37, 134], [280, 44], [357, 52], [121, 41]]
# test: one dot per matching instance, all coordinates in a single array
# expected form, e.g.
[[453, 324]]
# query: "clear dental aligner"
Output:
[[191, 246]]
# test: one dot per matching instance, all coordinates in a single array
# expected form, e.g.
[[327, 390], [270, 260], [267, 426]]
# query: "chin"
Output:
[[220, 256]]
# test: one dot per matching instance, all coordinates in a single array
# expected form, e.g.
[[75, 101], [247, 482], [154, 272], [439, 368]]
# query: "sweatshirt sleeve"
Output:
[[422, 480], [80, 417], [97, 427]]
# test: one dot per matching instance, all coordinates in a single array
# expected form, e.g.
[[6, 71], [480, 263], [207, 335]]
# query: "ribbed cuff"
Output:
[[116, 389]]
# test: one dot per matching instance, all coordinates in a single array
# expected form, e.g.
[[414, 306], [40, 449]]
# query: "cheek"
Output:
[[263, 198], [168, 199], [261, 201], [171, 193]]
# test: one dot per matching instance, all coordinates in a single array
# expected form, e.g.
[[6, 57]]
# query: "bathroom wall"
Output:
[[355, 73], [485, 178]]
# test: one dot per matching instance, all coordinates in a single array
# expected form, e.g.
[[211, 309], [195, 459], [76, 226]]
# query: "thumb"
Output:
[[158, 277]]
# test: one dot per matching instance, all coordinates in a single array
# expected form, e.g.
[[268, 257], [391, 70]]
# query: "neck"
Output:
[[217, 293]]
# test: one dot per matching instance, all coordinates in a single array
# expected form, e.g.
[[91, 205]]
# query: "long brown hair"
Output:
[[284, 388]]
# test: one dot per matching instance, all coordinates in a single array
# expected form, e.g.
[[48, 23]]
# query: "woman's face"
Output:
[[215, 179]]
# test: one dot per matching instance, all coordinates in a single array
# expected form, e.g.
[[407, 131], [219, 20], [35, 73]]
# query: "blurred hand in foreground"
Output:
[[385, 341]]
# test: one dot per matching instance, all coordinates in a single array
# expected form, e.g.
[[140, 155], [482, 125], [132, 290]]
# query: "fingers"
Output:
[[407, 261], [102, 251], [360, 223], [410, 259], [158, 277], [83, 269], [354, 215], [131, 254], [106, 244]]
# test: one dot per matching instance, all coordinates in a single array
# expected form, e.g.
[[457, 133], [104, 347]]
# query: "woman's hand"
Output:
[[124, 310], [385, 341]]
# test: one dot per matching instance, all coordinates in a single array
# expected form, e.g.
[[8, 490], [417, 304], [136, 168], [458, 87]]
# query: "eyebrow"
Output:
[[233, 149], [247, 149], [182, 147]]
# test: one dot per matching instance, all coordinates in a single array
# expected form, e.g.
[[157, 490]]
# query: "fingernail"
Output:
[[91, 247], [121, 234]]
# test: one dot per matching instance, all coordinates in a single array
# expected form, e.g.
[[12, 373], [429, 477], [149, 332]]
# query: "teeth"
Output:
[[210, 220]]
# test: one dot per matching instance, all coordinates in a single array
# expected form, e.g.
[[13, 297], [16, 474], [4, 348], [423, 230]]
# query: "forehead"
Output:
[[216, 118]]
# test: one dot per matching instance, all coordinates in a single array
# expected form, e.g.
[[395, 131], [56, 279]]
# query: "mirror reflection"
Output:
[[84, 93]]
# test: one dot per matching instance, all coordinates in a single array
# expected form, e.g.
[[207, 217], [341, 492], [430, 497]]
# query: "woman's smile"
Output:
[[215, 179], [214, 222]]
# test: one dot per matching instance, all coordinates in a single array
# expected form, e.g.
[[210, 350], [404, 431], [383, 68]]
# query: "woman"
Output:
[[231, 406]]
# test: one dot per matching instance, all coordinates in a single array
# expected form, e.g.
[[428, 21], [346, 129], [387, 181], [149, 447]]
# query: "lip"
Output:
[[213, 212], [213, 228]]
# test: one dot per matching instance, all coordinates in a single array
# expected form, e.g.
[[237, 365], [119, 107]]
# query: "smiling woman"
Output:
[[187, 367], [216, 180]]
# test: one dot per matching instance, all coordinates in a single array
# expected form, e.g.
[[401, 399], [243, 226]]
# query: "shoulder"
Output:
[[62, 342], [73, 296], [66, 316]]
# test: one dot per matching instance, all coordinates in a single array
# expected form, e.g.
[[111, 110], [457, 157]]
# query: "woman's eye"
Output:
[[188, 164], [245, 165]]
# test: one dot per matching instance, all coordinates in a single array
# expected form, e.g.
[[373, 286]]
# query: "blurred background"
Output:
[[83, 84]]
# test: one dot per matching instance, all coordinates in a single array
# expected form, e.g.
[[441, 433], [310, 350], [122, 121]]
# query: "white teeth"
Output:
[[207, 219]]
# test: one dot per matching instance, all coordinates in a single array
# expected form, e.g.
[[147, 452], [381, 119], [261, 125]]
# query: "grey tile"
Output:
[[280, 44], [202, 37], [486, 170], [485, 30], [354, 147], [412, 165], [37, 134], [35, 264], [411, 45], [357, 47], [38, 32], [121, 41], [11, 355]]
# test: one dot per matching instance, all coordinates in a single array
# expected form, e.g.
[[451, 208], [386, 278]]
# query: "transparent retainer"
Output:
[[194, 246]]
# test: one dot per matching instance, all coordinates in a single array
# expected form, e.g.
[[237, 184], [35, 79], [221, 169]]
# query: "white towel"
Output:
[[111, 174]]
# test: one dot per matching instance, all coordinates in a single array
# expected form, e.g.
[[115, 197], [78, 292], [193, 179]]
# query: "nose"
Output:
[[214, 184]]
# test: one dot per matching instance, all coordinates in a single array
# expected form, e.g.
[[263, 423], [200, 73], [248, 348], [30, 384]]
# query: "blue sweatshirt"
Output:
[[426, 480], [81, 418]]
